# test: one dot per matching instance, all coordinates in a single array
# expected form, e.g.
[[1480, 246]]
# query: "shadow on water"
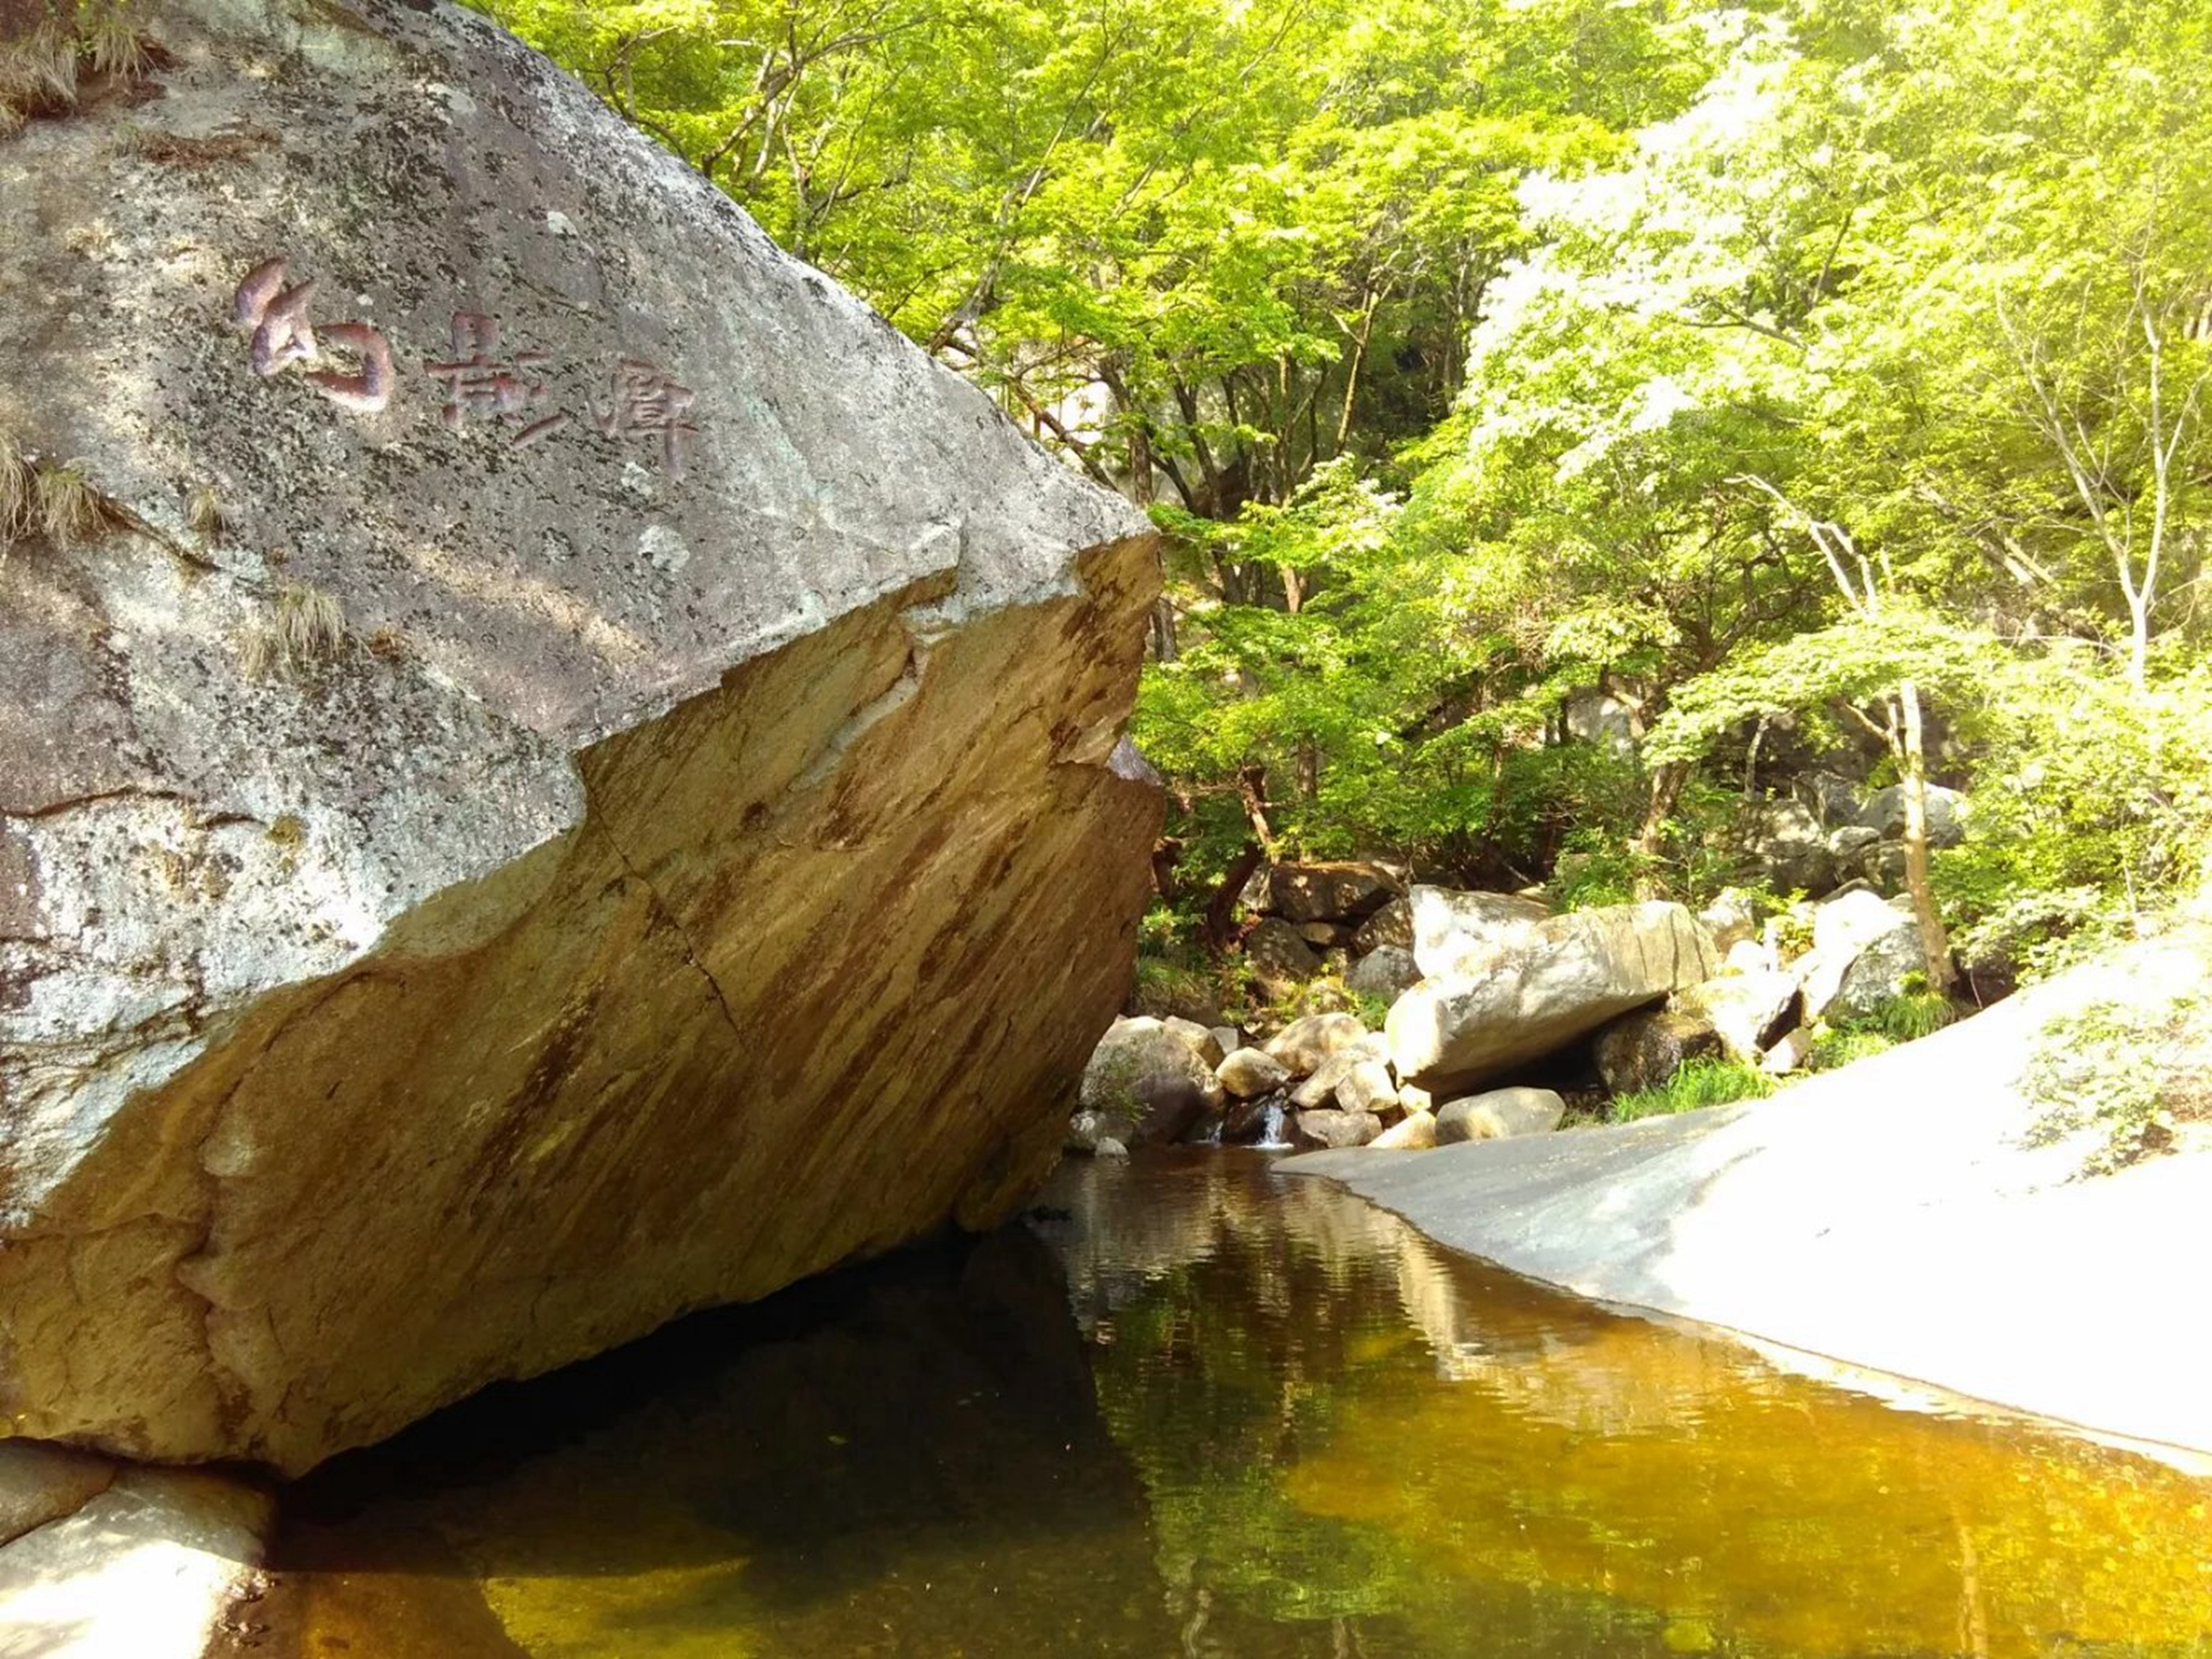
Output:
[[1198, 1408]]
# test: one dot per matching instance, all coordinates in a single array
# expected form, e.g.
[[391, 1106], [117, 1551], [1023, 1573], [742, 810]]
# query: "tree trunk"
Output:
[[1220, 926], [1666, 789], [1934, 945]]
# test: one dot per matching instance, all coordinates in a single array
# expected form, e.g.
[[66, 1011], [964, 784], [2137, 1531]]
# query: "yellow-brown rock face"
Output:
[[700, 861]]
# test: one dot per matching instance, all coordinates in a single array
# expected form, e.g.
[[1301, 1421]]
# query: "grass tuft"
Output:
[[1695, 1084], [66, 509], [203, 512], [16, 495], [306, 628]]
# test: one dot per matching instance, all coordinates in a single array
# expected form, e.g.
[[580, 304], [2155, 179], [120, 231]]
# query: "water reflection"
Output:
[[1279, 1423]]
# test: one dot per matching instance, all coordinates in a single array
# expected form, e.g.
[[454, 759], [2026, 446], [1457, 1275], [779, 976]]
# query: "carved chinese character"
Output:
[[479, 384], [283, 334], [643, 400]]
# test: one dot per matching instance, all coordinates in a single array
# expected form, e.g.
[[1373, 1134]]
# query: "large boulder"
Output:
[[595, 788], [1884, 814], [1345, 892], [1309, 1040], [1387, 972], [1327, 1127], [1392, 925], [1453, 929], [1747, 1012], [1864, 948], [1277, 953], [1500, 1115], [1145, 1085], [1644, 1049], [1785, 842], [1555, 982], [1249, 1073]]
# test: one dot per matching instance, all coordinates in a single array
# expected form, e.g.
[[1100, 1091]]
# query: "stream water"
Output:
[[1194, 1406]]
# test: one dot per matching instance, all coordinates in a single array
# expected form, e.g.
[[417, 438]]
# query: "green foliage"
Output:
[[1914, 1012], [1372, 1010], [1167, 987], [2121, 1074], [2093, 806], [1696, 1082], [1481, 356], [1837, 1046]]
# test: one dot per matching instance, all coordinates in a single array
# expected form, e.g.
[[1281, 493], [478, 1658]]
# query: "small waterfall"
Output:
[[1272, 1123]]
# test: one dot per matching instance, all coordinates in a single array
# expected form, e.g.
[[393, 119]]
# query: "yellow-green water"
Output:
[[1195, 1407]]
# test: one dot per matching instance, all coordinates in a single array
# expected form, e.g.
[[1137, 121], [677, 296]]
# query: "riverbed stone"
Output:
[[1318, 1087], [478, 886], [1863, 947], [148, 1564], [1559, 981], [1500, 1115], [1147, 1086], [1416, 1131], [1250, 1072], [1330, 1128], [1312, 1038], [1368, 1087], [1201, 1038]]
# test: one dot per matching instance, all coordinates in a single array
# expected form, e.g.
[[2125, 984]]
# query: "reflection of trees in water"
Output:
[[1385, 1447]]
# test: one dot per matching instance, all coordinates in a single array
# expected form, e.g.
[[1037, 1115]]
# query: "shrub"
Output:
[[1697, 1083]]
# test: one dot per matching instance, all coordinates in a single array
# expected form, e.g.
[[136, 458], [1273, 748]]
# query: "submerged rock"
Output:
[[1553, 983], [595, 788]]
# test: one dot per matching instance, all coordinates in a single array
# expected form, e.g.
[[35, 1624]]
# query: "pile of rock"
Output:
[[1507, 996], [1825, 837], [1348, 918], [1324, 1081]]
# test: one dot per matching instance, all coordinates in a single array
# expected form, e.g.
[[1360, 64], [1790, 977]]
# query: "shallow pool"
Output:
[[1194, 1406]]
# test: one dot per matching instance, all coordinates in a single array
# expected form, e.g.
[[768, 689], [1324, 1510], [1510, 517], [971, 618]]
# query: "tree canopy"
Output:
[[1782, 372]]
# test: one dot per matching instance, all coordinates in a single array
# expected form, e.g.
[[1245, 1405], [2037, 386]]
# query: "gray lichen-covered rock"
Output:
[[1145, 1085], [1885, 811], [595, 786], [1549, 984], [1454, 929], [1644, 1049], [1387, 971]]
